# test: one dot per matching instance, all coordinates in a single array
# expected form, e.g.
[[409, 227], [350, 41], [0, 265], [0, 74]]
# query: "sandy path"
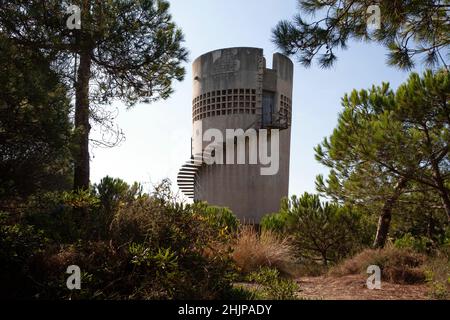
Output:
[[353, 287]]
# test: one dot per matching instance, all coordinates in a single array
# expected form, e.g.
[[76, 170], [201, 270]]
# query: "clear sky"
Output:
[[158, 135]]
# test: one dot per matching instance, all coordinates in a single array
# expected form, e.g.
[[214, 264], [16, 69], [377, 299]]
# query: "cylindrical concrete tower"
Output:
[[232, 90]]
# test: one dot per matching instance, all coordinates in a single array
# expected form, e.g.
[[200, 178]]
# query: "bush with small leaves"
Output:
[[273, 286], [20, 247], [320, 231]]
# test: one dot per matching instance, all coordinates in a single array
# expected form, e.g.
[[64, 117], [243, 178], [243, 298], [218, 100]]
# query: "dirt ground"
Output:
[[353, 287]]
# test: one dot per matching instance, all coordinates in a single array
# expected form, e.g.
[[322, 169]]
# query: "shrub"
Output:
[[273, 285], [105, 271], [171, 258], [323, 232], [112, 193], [422, 230], [252, 251], [276, 222], [219, 217], [408, 241], [397, 265], [175, 246], [445, 243], [154, 247], [65, 216], [437, 271], [87, 214], [20, 245], [174, 249], [439, 290], [239, 292]]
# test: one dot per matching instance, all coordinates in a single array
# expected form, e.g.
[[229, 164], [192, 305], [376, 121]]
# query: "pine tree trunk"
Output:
[[443, 191], [384, 220], [81, 174], [446, 201]]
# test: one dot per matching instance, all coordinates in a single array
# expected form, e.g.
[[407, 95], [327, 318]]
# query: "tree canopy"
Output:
[[321, 230], [35, 129], [386, 141], [127, 50], [410, 30]]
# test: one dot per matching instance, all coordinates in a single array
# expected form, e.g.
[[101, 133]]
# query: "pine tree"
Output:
[[128, 50], [386, 141], [35, 129], [408, 29]]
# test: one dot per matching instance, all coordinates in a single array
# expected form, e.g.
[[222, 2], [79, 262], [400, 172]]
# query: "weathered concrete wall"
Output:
[[227, 90]]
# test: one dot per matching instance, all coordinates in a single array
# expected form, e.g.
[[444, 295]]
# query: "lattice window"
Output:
[[224, 102]]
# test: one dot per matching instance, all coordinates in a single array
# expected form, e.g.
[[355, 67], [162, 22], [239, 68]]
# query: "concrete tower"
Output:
[[233, 89]]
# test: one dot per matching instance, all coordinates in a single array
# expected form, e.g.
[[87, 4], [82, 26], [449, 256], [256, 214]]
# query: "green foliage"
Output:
[[35, 130], [87, 214], [274, 222], [273, 286], [218, 217], [64, 216], [128, 245], [151, 248], [319, 231], [424, 226], [277, 222], [79, 199], [135, 57], [335, 23], [181, 240], [240, 293], [131, 50], [446, 239], [164, 259], [437, 271], [20, 245], [112, 194], [48, 212], [439, 291], [420, 244], [162, 263], [389, 153]]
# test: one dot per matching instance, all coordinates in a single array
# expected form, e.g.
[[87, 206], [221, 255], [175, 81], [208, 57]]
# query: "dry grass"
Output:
[[397, 265], [310, 269], [253, 250], [353, 287]]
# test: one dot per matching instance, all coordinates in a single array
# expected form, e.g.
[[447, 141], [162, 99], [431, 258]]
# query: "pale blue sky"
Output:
[[158, 135]]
